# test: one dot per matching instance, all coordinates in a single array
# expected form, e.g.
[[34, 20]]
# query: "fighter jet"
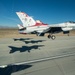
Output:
[[31, 26]]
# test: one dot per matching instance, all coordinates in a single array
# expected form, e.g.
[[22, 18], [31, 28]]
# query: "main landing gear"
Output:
[[51, 36]]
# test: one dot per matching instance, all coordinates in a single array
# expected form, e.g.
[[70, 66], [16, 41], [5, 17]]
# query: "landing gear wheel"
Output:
[[53, 37], [49, 36]]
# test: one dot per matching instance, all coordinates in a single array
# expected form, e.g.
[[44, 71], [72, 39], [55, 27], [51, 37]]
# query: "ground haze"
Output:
[[13, 32]]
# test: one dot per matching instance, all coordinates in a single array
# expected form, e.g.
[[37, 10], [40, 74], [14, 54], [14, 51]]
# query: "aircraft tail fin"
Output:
[[25, 19]]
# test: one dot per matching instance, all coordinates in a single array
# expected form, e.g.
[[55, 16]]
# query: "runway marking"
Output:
[[40, 60], [3, 66]]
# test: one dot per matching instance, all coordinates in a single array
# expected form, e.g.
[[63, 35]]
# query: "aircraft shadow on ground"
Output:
[[13, 68], [27, 40], [24, 48], [33, 41], [22, 39]]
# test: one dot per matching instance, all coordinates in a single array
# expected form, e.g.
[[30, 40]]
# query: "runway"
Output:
[[37, 56]]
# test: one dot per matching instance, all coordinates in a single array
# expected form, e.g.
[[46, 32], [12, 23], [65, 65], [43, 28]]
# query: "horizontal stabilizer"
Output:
[[20, 26]]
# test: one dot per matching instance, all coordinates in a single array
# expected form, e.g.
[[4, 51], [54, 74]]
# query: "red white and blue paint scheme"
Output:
[[37, 27]]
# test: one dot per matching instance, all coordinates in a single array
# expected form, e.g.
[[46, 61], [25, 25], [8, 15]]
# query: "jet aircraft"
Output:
[[39, 28]]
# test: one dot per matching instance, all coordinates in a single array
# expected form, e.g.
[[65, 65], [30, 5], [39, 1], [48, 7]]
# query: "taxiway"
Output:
[[37, 56]]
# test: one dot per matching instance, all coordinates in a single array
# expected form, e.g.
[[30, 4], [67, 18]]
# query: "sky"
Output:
[[47, 11]]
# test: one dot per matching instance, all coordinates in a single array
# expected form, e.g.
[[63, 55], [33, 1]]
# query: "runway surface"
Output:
[[37, 56]]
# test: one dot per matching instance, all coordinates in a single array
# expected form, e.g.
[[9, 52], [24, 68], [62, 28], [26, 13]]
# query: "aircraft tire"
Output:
[[53, 37], [49, 36]]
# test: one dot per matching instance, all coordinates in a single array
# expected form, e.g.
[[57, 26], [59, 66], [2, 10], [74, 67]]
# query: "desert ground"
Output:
[[12, 33]]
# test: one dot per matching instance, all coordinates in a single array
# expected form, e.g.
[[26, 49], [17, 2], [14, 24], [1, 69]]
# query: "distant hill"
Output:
[[7, 27]]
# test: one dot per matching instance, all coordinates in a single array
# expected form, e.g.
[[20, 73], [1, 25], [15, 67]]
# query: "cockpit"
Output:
[[70, 22]]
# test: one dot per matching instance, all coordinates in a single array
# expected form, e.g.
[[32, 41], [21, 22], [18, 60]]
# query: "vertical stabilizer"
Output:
[[25, 19]]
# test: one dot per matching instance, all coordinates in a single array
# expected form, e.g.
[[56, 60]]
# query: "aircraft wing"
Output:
[[57, 25], [56, 28]]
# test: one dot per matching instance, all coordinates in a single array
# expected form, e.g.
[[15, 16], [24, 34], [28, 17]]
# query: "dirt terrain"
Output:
[[13, 33]]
